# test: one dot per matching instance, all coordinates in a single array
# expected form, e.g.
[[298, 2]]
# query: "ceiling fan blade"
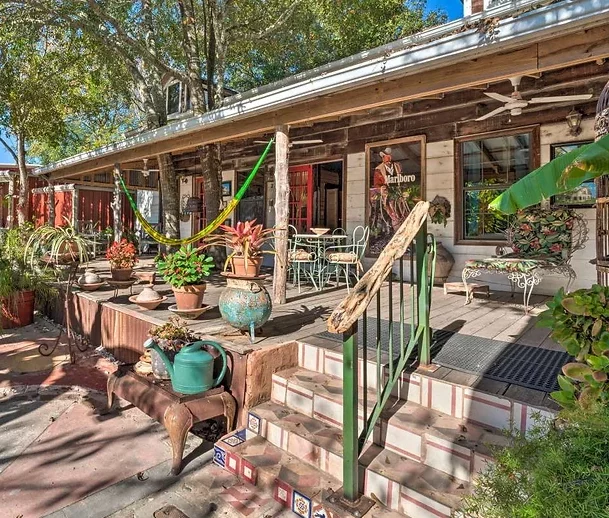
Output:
[[499, 97], [560, 98], [260, 142], [312, 141], [493, 113]]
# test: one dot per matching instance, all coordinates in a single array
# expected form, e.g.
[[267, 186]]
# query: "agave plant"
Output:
[[245, 239]]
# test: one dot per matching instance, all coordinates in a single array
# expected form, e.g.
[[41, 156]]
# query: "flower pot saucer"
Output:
[[91, 287], [189, 314], [147, 304], [231, 275]]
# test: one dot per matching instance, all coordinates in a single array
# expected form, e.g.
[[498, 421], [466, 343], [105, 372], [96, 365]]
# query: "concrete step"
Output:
[[421, 387], [448, 444]]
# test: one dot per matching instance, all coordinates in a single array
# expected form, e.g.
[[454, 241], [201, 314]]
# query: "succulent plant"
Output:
[[580, 323]]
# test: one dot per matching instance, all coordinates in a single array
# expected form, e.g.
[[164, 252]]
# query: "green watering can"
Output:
[[193, 368]]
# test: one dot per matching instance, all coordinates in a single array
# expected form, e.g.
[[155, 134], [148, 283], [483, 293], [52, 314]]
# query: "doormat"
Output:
[[518, 364]]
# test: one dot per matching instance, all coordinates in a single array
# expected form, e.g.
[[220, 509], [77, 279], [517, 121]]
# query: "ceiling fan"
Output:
[[295, 142], [515, 103], [145, 171]]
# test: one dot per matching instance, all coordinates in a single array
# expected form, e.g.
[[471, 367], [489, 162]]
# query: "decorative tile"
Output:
[[283, 493], [311, 357], [487, 409], [253, 422], [301, 505], [242, 433], [333, 364], [449, 458], [523, 416], [320, 512], [300, 399], [403, 442], [233, 440], [219, 456], [248, 471], [416, 505], [233, 463], [247, 501], [279, 389]]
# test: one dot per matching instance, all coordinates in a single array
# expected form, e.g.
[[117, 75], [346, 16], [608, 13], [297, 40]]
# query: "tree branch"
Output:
[[9, 149]]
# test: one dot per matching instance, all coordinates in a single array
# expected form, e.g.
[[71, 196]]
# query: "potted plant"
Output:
[[185, 270], [22, 285], [439, 212], [122, 258], [245, 240], [171, 337], [57, 245]]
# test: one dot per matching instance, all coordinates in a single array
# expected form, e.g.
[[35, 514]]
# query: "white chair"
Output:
[[347, 259], [300, 258]]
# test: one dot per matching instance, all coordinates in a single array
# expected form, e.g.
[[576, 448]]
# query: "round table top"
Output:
[[321, 236]]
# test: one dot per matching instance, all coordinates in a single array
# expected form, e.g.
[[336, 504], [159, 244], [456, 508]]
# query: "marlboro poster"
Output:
[[396, 170]]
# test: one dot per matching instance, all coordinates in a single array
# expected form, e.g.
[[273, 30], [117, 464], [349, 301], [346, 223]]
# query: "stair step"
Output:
[[421, 387], [294, 484], [452, 445]]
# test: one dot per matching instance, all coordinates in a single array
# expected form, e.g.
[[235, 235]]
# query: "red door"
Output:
[[301, 197]]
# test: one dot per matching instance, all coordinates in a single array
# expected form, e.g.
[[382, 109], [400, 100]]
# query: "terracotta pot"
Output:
[[159, 371], [189, 297], [17, 310], [121, 274], [444, 263], [249, 268]]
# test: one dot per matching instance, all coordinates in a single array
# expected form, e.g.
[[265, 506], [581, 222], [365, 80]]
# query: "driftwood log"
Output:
[[354, 304]]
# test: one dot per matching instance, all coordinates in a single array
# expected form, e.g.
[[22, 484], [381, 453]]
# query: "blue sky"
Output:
[[454, 9]]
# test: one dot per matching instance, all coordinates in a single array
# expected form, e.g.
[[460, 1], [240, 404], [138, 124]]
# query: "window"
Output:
[[173, 98], [486, 167], [582, 196]]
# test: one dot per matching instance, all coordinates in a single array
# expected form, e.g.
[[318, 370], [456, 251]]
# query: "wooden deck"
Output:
[[499, 317]]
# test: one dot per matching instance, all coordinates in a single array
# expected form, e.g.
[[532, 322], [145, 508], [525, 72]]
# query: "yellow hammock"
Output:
[[164, 240]]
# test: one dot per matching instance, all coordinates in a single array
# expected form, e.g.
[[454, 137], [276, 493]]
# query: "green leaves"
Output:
[[185, 267]]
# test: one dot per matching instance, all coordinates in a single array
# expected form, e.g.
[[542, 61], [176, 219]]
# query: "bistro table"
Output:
[[319, 242]]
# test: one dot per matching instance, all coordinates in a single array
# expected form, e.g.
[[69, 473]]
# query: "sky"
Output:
[[454, 9]]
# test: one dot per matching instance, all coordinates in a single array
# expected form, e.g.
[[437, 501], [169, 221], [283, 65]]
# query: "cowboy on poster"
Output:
[[395, 175]]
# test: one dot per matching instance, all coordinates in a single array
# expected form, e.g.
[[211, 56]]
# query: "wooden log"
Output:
[[117, 215], [282, 200], [354, 304]]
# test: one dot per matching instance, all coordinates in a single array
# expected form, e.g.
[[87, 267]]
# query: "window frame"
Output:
[[553, 155], [459, 189]]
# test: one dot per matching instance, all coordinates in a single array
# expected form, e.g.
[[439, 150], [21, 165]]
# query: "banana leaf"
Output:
[[563, 174]]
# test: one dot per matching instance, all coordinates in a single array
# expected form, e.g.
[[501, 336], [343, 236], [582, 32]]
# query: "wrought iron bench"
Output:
[[542, 241]]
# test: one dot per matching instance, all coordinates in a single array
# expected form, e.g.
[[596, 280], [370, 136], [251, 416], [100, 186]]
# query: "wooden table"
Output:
[[177, 412]]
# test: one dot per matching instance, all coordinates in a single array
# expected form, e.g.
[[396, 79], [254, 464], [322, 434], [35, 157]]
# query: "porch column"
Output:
[[282, 199], [117, 212]]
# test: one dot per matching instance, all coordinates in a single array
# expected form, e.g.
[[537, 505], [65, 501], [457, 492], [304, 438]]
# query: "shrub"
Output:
[[557, 471], [122, 254], [580, 323]]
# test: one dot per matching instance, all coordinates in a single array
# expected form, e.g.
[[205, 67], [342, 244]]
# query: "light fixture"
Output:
[[145, 171], [574, 120]]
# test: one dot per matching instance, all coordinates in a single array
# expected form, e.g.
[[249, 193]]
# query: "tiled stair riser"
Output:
[[481, 408]]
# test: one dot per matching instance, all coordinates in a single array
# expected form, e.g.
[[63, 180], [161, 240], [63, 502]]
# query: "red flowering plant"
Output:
[[187, 267], [122, 254]]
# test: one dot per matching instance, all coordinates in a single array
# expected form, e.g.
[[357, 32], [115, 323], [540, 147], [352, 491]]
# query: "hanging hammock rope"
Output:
[[164, 240]]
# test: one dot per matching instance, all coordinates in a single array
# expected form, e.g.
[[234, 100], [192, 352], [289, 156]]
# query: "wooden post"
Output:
[[51, 203], [10, 217], [117, 213], [282, 200]]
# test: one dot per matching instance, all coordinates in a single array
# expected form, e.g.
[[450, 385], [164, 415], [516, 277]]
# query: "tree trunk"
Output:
[[10, 218], [282, 200], [51, 203], [170, 190], [190, 44], [22, 200], [212, 180]]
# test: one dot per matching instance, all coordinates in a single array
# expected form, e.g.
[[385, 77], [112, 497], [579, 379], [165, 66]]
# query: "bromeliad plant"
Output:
[[186, 267], [580, 323], [246, 240]]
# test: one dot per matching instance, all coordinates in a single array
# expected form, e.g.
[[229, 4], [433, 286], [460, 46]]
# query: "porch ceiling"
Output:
[[559, 36]]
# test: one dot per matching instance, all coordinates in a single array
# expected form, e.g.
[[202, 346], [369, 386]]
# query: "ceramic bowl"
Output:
[[320, 231], [150, 304], [91, 287]]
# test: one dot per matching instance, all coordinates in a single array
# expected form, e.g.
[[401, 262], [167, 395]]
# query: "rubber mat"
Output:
[[523, 365]]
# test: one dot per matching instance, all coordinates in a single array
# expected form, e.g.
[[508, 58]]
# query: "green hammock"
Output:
[[164, 240]]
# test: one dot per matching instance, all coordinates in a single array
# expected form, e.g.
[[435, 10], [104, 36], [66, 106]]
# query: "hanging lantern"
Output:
[[193, 204]]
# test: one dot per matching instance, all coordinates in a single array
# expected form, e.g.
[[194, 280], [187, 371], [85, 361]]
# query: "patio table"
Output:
[[319, 243]]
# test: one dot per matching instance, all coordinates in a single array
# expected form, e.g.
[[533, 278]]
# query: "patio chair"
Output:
[[145, 242], [542, 241], [300, 259], [347, 259]]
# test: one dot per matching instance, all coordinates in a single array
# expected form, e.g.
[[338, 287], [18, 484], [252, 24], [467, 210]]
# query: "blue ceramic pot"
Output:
[[245, 304]]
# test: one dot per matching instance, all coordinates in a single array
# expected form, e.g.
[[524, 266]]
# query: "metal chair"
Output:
[[341, 258], [300, 259]]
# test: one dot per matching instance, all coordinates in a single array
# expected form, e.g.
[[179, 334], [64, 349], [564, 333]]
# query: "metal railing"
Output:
[[391, 354]]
